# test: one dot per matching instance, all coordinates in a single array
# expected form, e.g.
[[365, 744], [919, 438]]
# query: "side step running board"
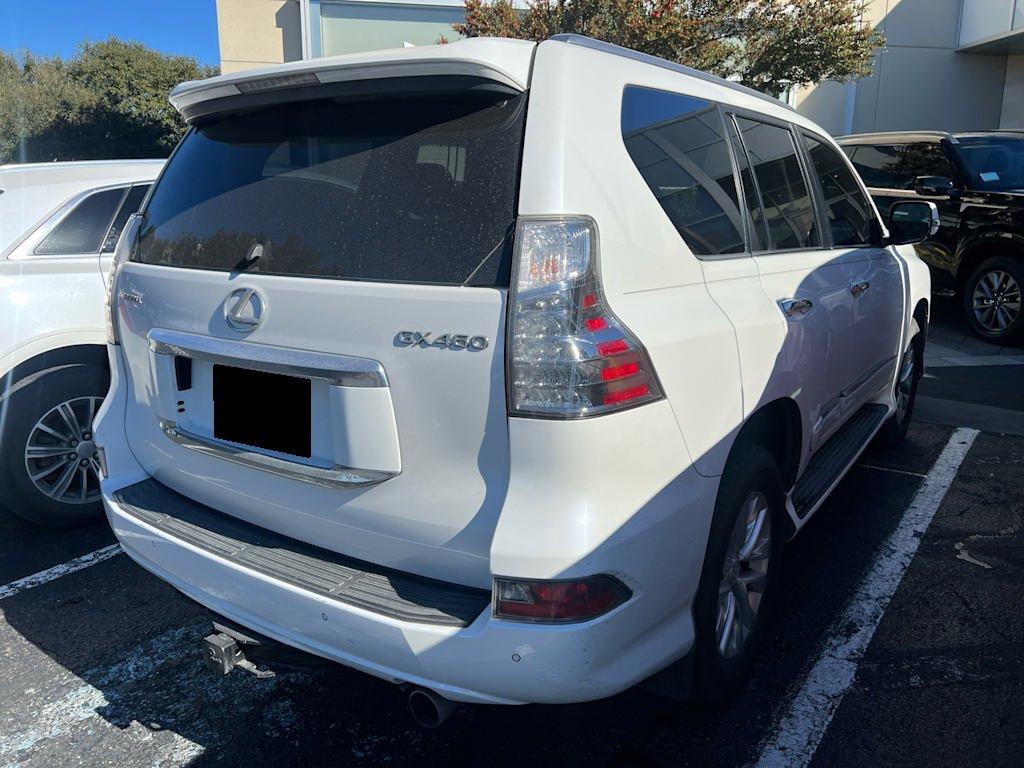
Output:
[[833, 458]]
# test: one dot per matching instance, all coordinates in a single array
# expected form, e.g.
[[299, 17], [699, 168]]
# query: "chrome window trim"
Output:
[[339, 370], [336, 476]]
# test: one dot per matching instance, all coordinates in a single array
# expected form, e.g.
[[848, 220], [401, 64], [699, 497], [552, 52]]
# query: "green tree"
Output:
[[108, 101], [765, 44]]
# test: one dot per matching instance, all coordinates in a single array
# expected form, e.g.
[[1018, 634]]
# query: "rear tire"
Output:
[[739, 564], [992, 300], [49, 473]]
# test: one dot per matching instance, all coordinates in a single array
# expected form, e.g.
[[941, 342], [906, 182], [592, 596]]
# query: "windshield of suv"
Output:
[[394, 189], [994, 163]]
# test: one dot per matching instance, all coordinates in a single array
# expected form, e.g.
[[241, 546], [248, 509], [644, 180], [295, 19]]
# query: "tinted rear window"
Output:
[[394, 190], [130, 205], [678, 144], [82, 230], [787, 201]]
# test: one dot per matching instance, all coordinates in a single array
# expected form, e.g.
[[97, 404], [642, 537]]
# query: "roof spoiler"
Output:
[[357, 74]]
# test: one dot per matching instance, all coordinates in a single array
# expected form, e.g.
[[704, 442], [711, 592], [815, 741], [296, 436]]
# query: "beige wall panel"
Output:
[[227, 67], [875, 11], [824, 104], [927, 88], [258, 32], [1013, 94]]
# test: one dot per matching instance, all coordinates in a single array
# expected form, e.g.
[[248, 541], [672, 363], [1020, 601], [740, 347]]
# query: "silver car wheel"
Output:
[[996, 300], [905, 384], [744, 575], [60, 455]]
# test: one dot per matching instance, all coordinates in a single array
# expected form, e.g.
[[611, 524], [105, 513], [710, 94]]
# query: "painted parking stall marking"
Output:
[[804, 724], [79, 563]]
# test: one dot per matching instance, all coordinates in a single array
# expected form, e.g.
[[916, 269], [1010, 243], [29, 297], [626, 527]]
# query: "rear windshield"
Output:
[[397, 190]]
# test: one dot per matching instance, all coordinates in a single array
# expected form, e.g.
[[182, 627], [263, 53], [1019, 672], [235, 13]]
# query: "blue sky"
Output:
[[48, 27]]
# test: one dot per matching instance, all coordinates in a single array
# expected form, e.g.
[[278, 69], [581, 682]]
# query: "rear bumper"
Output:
[[489, 661]]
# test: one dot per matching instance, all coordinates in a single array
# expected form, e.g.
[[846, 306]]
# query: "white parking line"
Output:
[[36, 579], [802, 727]]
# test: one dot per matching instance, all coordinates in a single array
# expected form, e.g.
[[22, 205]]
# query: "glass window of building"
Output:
[[353, 27]]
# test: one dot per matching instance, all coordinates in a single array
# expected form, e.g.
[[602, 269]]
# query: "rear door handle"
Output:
[[859, 287], [794, 307]]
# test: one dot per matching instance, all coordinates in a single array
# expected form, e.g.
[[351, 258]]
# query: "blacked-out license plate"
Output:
[[265, 410]]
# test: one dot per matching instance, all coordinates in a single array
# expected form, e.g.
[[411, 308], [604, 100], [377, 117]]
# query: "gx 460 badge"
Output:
[[445, 340]]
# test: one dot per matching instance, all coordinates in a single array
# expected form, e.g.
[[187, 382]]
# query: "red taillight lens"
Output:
[[556, 601], [619, 372], [614, 397], [569, 355]]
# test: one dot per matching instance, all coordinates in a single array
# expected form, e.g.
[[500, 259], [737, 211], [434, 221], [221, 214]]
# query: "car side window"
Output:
[[678, 144], [785, 196], [131, 204], [849, 212], [923, 160], [878, 165], [83, 229], [757, 228]]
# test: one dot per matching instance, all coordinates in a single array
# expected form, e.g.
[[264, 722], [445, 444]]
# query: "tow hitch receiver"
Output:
[[222, 654]]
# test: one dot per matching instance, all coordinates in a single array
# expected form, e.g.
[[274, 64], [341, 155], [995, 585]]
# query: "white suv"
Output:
[[59, 223], [499, 369]]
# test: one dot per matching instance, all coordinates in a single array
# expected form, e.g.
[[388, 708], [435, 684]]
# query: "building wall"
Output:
[[1013, 94], [984, 18], [257, 33], [919, 80]]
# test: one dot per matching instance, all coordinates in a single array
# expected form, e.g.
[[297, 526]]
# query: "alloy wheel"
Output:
[[996, 301], [744, 575], [905, 384], [60, 455]]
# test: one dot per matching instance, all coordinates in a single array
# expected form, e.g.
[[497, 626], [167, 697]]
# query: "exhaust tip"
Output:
[[430, 709]]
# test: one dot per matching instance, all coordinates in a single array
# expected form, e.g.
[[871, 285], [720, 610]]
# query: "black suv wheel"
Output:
[[992, 300]]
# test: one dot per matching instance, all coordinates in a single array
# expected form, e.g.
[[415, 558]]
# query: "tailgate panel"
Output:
[[437, 428]]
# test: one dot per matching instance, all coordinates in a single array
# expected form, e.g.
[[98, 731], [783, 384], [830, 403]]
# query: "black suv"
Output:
[[977, 182]]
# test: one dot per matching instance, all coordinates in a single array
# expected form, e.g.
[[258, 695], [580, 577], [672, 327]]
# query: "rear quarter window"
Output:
[[406, 189], [679, 145], [84, 227]]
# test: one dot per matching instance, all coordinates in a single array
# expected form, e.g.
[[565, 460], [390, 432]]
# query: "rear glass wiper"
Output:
[[508, 233]]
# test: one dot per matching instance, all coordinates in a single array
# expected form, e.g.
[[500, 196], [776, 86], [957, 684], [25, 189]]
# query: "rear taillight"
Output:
[[126, 245], [557, 601], [569, 355]]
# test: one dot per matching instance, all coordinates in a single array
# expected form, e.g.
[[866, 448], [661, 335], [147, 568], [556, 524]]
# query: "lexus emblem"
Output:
[[244, 309]]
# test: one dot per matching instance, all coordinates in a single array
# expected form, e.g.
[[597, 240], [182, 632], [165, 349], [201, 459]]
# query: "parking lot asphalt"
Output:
[[102, 665]]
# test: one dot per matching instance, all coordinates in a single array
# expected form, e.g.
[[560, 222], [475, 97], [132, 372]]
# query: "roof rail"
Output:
[[646, 58], [904, 136]]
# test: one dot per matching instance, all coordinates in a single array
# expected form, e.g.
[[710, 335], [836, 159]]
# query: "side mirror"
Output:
[[935, 186], [911, 221]]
